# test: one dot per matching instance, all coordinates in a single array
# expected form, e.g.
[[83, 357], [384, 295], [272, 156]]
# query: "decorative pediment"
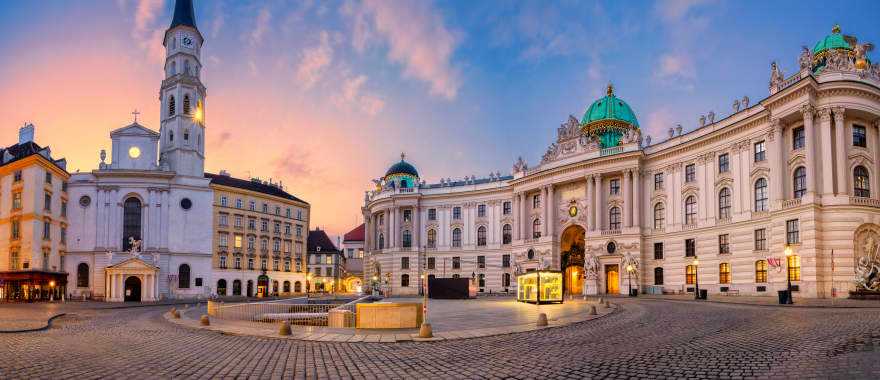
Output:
[[798, 157], [861, 157], [658, 197], [133, 264], [723, 182], [759, 171], [134, 129], [690, 189]]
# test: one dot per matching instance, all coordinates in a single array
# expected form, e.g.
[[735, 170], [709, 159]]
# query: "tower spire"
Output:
[[184, 14]]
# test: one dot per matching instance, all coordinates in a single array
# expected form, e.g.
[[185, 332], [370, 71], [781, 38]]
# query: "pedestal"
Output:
[[591, 286]]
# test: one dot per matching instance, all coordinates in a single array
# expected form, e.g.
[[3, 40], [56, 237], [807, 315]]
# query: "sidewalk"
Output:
[[770, 301]]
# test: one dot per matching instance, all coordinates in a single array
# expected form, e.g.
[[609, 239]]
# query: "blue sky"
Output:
[[325, 95]]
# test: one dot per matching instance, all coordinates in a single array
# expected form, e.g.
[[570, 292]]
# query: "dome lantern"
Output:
[[402, 174]]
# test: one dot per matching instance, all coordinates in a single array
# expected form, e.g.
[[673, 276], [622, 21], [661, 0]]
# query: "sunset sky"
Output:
[[325, 95]]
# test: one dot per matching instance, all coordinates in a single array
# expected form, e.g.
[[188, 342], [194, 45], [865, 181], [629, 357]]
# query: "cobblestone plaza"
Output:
[[698, 340]]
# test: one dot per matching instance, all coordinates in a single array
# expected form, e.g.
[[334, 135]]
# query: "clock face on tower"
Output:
[[186, 41]]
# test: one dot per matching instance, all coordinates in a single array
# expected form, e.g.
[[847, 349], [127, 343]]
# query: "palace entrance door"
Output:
[[612, 279], [572, 255]]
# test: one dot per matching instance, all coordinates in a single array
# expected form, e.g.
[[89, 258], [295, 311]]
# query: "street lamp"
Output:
[[52, 290], [308, 285], [696, 279], [788, 253], [629, 270]]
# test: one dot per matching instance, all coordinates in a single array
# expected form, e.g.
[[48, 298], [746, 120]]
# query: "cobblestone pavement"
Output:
[[647, 338]]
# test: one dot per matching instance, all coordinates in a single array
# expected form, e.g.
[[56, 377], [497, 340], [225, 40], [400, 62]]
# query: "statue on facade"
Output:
[[806, 58], [648, 140], [867, 271], [736, 106], [520, 165], [135, 246], [711, 117], [745, 102], [702, 120], [776, 75]]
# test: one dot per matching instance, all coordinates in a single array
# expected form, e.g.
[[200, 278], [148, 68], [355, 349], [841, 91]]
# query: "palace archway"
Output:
[[572, 255]]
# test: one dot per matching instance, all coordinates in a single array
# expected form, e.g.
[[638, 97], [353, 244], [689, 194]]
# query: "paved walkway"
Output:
[[774, 301], [645, 339]]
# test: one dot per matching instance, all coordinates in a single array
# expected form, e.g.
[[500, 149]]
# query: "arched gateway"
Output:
[[572, 258]]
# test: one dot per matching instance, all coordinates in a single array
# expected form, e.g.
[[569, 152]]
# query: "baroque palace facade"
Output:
[[785, 188]]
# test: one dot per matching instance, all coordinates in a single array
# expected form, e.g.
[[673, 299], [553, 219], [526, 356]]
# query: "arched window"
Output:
[[186, 107], [404, 281], [505, 280], [724, 203], [131, 222], [297, 287], [481, 236], [432, 238], [236, 287], [407, 239], [82, 275], [381, 241], [456, 237], [690, 274], [275, 287], [690, 210], [506, 235], [800, 182], [724, 273], [221, 287], [286, 288], [761, 271], [659, 216], [761, 195], [614, 218], [658, 276], [183, 276], [860, 182], [536, 228], [172, 108], [173, 68]]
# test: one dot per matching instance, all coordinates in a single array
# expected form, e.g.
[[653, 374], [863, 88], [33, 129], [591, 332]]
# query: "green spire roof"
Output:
[[835, 40], [610, 108]]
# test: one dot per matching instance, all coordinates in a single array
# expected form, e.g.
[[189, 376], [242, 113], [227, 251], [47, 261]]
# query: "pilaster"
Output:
[[840, 147]]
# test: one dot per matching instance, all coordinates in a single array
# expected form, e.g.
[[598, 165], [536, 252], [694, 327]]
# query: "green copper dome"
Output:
[[610, 108], [835, 40]]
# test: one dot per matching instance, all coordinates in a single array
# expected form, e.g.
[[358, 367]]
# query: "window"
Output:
[[761, 271], [252, 206], [299, 231], [237, 241], [614, 185], [381, 241], [481, 281], [237, 262], [222, 262], [131, 220], [47, 202], [287, 214], [16, 229], [277, 210], [432, 214], [407, 215], [252, 224], [658, 276], [723, 243], [432, 238], [275, 264], [724, 273], [17, 176], [792, 232], [432, 263], [481, 211], [481, 262], [505, 280], [860, 182], [456, 237], [16, 201], [183, 276], [859, 137], [45, 259], [690, 248], [223, 220], [263, 265], [761, 203], [238, 221], [251, 240], [82, 275], [724, 203], [186, 104], [794, 268], [614, 218], [506, 235], [276, 227], [238, 203], [224, 201], [797, 138], [224, 240], [658, 251], [286, 287], [659, 216], [456, 262], [63, 234], [760, 151], [690, 274], [407, 239], [723, 163], [404, 262], [800, 182], [690, 173], [276, 245], [506, 208], [404, 280], [456, 213], [13, 259], [287, 228], [658, 181], [536, 201], [690, 210], [505, 261], [250, 263], [536, 228], [48, 177], [264, 225], [481, 236], [761, 239]]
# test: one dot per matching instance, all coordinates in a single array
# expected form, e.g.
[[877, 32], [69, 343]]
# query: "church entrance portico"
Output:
[[132, 289], [131, 280]]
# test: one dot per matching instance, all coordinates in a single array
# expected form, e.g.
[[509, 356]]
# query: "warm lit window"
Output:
[[690, 274], [861, 188], [794, 268], [761, 271], [724, 273]]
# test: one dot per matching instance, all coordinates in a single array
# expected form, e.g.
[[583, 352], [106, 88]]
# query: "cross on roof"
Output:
[[135, 113], [402, 156]]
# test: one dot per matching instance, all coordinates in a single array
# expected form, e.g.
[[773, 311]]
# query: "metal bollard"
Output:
[[542, 319], [284, 329], [593, 310], [204, 321]]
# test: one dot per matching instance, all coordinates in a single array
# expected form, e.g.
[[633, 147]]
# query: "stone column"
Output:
[[417, 227], [841, 147], [544, 209], [825, 148], [600, 208], [746, 188], [551, 211], [523, 221], [165, 216], [706, 191], [627, 198], [392, 234], [875, 186], [674, 207], [776, 155], [637, 193], [591, 204], [810, 148]]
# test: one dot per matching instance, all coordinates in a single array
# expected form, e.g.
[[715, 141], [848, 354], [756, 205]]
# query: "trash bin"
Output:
[[633, 292], [783, 297], [704, 293]]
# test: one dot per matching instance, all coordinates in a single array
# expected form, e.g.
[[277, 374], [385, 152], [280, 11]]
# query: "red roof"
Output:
[[357, 234]]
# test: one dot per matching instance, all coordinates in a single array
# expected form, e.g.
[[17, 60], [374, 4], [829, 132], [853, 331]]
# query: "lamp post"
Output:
[[51, 290], [308, 285], [629, 271], [374, 285], [788, 253], [696, 279]]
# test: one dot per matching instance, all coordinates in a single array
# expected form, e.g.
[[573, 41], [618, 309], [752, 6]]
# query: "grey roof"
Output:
[[477, 181], [259, 187], [184, 14]]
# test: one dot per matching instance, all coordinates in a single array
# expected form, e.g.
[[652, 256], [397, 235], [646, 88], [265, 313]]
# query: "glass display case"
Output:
[[544, 286]]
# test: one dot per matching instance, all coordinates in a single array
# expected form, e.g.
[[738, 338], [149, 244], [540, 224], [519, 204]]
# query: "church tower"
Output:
[[182, 132]]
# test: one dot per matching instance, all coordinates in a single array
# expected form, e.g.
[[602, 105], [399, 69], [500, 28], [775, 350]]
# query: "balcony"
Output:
[[791, 203], [611, 232], [610, 151], [688, 227], [863, 201]]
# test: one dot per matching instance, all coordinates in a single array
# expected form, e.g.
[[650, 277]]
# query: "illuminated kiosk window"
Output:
[[544, 286]]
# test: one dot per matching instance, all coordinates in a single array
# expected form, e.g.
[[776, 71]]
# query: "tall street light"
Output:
[[629, 270], [788, 253], [696, 278]]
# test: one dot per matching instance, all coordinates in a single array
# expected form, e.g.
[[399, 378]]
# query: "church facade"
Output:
[[780, 191]]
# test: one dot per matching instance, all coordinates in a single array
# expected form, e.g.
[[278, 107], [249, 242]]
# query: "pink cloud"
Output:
[[314, 60]]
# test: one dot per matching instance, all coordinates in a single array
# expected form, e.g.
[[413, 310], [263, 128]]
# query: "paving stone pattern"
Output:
[[646, 339]]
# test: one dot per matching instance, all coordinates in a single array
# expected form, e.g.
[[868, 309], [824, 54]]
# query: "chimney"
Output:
[[26, 133]]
